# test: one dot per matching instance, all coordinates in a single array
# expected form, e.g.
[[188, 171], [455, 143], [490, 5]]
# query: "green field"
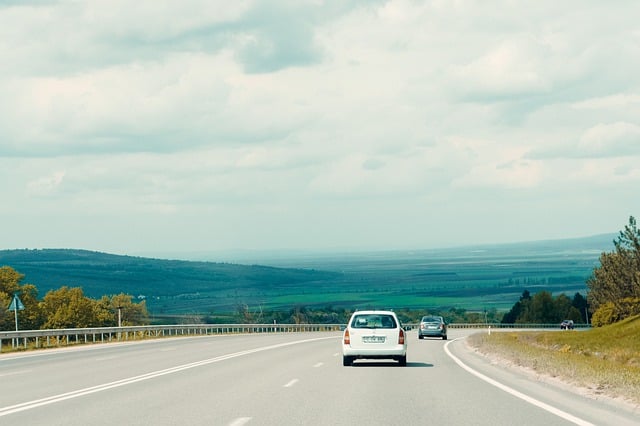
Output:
[[471, 278]]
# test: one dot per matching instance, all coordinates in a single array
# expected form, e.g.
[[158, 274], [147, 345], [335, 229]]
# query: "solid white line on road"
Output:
[[553, 410], [291, 383], [67, 349], [240, 421], [320, 364], [4, 411], [13, 373]]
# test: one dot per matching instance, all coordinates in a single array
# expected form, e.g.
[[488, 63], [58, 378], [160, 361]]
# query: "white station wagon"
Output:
[[374, 335]]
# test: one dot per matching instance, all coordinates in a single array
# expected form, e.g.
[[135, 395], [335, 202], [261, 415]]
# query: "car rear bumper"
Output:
[[375, 353], [431, 333]]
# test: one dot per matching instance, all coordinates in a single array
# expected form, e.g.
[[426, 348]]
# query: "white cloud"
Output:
[[513, 68], [614, 139], [496, 165], [615, 101], [46, 185], [245, 121]]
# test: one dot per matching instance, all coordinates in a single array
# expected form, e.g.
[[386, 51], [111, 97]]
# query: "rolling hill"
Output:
[[478, 277]]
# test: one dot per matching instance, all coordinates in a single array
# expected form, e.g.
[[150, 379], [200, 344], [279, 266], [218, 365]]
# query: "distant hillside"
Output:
[[304, 258], [479, 277], [101, 273], [590, 247]]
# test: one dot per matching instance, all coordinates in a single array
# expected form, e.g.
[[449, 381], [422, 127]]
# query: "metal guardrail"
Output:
[[499, 325], [62, 337], [35, 339]]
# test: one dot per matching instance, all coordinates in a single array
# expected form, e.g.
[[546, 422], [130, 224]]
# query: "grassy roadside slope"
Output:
[[604, 361]]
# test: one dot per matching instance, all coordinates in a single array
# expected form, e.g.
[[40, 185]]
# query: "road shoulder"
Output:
[[582, 402]]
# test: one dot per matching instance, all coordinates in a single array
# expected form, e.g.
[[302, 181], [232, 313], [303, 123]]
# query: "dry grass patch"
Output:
[[605, 360]]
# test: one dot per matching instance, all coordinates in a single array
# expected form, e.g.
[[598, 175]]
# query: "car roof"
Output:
[[373, 312]]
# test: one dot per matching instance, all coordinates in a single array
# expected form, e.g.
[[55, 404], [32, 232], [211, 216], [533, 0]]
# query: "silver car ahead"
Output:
[[432, 326], [374, 335]]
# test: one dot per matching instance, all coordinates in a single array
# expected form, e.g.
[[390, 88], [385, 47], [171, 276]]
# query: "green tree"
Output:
[[104, 312], [10, 284], [580, 303], [31, 317], [518, 308], [541, 310], [131, 313], [9, 280], [616, 282], [68, 308], [610, 313], [299, 315], [563, 309]]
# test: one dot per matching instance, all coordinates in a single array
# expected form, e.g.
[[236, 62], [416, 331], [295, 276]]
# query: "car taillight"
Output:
[[346, 340], [401, 337]]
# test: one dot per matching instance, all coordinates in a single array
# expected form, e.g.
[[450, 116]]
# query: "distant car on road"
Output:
[[566, 325], [432, 326], [374, 335]]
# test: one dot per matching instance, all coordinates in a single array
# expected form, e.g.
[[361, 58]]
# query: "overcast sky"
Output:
[[134, 127]]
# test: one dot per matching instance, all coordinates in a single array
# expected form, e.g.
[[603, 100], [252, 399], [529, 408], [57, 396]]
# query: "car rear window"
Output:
[[430, 319], [373, 321]]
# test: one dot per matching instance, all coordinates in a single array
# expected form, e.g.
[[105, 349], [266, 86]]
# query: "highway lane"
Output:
[[283, 379]]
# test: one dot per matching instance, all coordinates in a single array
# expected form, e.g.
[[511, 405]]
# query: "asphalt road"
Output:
[[283, 379]]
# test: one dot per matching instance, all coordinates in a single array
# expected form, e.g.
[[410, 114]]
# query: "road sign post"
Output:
[[15, 306]]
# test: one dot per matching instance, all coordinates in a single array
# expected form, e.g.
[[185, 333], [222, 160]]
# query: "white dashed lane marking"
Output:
[[240, 421], [107, 358]]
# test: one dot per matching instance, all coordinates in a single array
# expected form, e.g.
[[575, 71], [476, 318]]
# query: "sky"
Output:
[[190, 126]]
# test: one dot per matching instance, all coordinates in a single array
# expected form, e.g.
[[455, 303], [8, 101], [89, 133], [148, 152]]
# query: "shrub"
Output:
[[610, 312]]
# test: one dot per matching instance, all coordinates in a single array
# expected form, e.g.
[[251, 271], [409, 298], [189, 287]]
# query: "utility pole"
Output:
[[586, 314], [119, 316]]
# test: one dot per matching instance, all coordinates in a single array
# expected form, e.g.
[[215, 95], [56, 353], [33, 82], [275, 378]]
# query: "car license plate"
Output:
[[373, 339]]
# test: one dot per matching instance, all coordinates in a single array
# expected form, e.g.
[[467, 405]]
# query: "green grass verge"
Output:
[[605, 360]]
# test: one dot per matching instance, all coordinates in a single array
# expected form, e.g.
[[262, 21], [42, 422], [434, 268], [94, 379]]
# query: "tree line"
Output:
[[614, 287], [543, 308], [66, 307], [613, 290], [301, 314]]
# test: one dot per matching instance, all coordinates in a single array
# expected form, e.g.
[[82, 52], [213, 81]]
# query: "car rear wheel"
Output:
[[403, 361], [347, 361], [444, 337], [420, 336]]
